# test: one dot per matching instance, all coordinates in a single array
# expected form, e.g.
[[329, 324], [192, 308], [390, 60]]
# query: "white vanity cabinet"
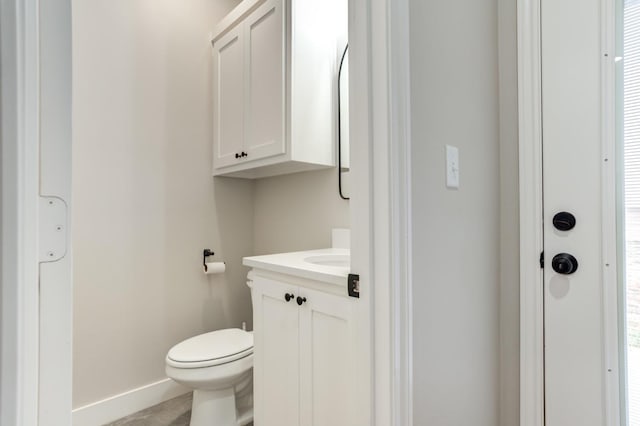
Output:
[[303, 357], [274, 86]]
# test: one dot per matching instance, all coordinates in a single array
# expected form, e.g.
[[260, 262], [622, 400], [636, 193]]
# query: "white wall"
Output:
[[297, 212], [454, 68], [145, 204]]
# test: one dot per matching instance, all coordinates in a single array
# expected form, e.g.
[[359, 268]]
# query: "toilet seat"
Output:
[[211, 349]]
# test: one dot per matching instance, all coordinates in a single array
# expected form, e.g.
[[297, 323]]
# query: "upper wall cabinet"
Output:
[[275, 77]]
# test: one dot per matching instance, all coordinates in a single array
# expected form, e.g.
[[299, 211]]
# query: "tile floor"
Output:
[[174, 412]]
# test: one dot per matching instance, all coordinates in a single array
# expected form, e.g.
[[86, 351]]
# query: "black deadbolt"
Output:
[[564, 221], [564, 263]]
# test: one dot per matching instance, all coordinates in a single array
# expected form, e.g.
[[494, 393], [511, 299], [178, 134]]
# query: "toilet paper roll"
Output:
[[214, 268]]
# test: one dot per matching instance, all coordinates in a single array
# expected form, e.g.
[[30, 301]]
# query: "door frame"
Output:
[[381, 215], [531, 242], [381, 219], [19, 143], [531, 213], [36, 161]]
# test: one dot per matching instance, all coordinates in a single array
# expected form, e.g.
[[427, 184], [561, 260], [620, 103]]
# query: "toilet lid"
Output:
[[215, 345]]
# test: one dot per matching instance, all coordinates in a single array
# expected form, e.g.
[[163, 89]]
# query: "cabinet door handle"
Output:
[[301, 300], [237, 155], [244, 154], [288, 296]]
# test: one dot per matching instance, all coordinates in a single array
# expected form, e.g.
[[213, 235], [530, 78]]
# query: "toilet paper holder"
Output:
[[206, 253]]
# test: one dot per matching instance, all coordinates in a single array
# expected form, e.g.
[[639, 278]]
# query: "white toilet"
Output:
[[218, 366]]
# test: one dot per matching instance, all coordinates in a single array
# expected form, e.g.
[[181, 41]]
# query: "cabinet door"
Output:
[[264, 80], [276, 354], [228, 106], [326, 359]]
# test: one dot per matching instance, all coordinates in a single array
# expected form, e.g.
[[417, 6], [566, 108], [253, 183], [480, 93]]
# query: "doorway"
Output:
[[362, 59]]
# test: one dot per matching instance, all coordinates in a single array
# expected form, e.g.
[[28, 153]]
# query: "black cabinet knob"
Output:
[[244, 154], [288, 297], [237, 155], [301, 300], [564, 264], [564, 221]]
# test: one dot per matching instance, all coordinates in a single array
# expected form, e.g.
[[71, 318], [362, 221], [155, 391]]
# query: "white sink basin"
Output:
[[336, 260], [330, 265]]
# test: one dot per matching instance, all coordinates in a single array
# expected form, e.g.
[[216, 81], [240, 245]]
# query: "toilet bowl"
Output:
[[218, 366]]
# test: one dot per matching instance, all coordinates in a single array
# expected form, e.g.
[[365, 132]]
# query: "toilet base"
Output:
[[214, 408], [218, 408]]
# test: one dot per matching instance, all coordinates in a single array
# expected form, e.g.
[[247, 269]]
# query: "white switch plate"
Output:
[[453, 167]]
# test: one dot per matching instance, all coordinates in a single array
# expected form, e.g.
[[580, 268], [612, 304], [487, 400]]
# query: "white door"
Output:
[[264, 81], [275, 319], [228, 107], [326, 359], [575, 262]]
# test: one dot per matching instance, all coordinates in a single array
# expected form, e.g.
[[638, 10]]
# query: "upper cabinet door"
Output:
[[265, 81], [228, 107]]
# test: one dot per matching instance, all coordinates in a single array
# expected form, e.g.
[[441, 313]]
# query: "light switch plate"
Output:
[[453, 167]]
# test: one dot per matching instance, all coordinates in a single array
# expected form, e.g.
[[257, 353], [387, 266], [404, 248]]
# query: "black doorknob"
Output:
[[288, 297], [564, 221], [564, 263], [301, 300]]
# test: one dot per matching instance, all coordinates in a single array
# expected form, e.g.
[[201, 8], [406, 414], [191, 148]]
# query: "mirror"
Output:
[[343, 121]]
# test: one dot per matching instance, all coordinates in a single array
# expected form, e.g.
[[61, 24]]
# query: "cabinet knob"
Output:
[[237, 155], [244, 154], [301, 300], [288, 296]]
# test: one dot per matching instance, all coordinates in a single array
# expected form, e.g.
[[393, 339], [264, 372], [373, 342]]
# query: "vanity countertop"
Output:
[[330, 265]]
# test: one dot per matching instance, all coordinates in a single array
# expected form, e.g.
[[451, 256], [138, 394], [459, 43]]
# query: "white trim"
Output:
[[361, 206], [20, 81], [54, 180], [401, 221], [127, 403], [609, 214], [381, 214], [381, 221], [531, 239]]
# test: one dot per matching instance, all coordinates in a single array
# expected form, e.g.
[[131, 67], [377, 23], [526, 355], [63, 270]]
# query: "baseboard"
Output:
[[124, 404]]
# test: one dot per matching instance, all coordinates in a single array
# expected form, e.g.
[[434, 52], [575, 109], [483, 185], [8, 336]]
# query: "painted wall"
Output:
[[9, 214], [297, 212], [454, 68], [509, 217], [145, 204]]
